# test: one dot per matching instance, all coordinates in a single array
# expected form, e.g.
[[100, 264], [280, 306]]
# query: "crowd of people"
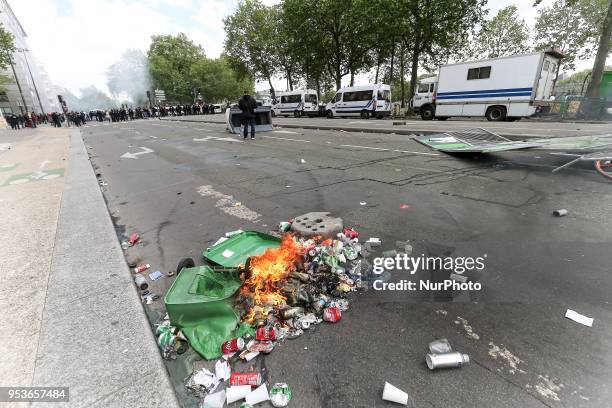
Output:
[[57, 119]]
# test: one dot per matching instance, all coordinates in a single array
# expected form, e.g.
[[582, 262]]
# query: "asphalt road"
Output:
[[523, 352], [526, 128]]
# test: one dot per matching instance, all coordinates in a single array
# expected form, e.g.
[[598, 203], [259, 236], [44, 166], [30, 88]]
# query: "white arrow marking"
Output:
[[129, 155]]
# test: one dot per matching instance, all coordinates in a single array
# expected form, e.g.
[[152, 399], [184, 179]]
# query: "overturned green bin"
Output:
[[200, 303]]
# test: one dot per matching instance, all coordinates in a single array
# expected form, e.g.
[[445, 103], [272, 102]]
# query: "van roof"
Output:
[[429, 80], [297, 92], [550, 51], [365, 87]]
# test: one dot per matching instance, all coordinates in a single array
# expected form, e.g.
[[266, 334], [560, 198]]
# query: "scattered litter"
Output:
[[149, 298], [237, 393], [260, 394], [252, 378], [142, 268], [170, 273], [280, 395], [141, 282], [155, 275], [363, 203], [393, 394], [547, 388], [560, 213], [442, 312], [216, 400], [578, 318], [374, 242], [440, 346], [404, 206], [302, 161], [222, 370], [446, 360], [134, 238], [513, 361]]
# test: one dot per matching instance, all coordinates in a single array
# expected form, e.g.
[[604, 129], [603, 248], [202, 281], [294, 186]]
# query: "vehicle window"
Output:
[[337, 98], [423, 88], [360, 95], [293, 98], [431, 87], [546, 65], [283, 99], [311, 98], [552, 67], [479, 73], [348, 96]]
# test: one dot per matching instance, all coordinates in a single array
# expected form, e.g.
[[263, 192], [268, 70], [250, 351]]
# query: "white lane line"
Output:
[[285, 131], [284, 138], [391, 150]]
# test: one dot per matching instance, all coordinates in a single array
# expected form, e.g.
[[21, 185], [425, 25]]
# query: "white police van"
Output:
[[297, 103], [363, 101], [504, 88]]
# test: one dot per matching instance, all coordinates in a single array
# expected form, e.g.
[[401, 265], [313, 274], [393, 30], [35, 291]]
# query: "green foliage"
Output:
[[572, 25], [170, 61], [580, 76], [504, 34], [217, 81], [250, 43], [7, 47]]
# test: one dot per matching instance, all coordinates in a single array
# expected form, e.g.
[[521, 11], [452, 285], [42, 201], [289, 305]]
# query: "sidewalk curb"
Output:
[[357, 129], [95, 337]]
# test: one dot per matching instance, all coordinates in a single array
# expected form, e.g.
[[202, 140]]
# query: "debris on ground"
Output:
[[441, 355], [156, 275], [142, 268], [280, 395], [393, 394], [579, 318], [560, 213]]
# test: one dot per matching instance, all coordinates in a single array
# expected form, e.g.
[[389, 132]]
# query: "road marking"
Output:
[[229, 205], [285, 131], [129, 155], [220, 139], [4, 146], [391, 150], [284, 138]]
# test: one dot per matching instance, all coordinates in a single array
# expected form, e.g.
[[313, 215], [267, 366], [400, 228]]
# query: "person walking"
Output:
[[247, 105]]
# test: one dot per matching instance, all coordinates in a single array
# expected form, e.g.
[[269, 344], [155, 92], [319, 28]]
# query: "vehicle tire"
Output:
[[496, 114], [329, 114], [184, 263], [441, 117], [427, 113], [379, 117], [273, 114], [365, 114]]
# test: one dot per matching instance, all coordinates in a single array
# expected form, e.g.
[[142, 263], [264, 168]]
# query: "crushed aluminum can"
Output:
[[332, 314], [142, 268], [351, 233], [260, 346], [232, 346], [133, 239], [284, 226], [291, 312], [446, 360], [264, 333], [280, 395], [253, 379], [125, 245]]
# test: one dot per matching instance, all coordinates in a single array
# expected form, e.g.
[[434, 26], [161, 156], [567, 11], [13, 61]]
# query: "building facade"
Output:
[[30, 89]]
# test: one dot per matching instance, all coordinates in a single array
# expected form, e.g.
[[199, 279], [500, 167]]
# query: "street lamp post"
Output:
[[24, 50]]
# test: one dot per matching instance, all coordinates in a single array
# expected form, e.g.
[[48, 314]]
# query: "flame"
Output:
[[267, 271]]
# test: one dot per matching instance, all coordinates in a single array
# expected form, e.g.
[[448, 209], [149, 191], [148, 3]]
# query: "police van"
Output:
[[504, 88], [363, 101], [297, 103]]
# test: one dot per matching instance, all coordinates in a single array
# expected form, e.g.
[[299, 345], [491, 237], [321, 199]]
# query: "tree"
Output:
[[504, 34], [217, 81], [250, 43], [170, 61], [602, 53], [130, 76], [7, 48], [436, 29], [574, 26]]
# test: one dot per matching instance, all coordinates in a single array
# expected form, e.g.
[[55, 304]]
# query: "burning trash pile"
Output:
[[301, 283]]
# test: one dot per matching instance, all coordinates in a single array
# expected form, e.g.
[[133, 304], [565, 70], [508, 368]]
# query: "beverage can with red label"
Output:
[[253, 379], [332, 314], [133, 239], [142, 268], [232, 346], [265, 333]]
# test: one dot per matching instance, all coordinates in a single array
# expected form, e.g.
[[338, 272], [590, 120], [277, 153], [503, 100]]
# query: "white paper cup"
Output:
[[394, 394], [237, 392], [260, 394]]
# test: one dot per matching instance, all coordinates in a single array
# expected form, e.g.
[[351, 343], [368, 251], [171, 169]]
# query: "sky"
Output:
[[76, 40]]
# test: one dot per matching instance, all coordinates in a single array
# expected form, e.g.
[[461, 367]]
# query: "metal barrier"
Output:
[[263, 119], [579, 107]]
